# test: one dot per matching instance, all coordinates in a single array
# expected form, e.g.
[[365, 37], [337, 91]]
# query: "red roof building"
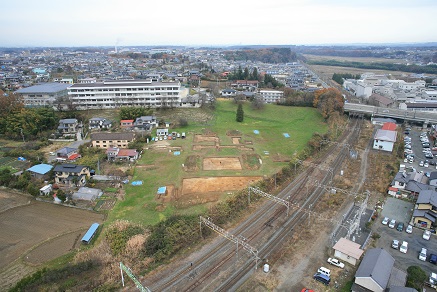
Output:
[[389, 126]]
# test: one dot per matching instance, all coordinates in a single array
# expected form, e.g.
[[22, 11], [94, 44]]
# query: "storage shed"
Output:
[[347, 251], [90, 233]]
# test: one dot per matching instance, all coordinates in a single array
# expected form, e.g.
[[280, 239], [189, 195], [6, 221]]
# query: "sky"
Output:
[[48, 23]]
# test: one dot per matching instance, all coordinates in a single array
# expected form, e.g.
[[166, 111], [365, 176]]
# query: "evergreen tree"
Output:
[[254, 74], [240, 113]]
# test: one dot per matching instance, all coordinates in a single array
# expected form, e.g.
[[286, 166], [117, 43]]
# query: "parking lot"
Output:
[[417, 150], [401, 211]]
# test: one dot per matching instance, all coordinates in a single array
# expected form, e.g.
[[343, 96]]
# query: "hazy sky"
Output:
[[225, 22]]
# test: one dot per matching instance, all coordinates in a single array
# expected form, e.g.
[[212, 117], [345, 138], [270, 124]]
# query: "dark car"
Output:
[[400, 226], [433, 259]]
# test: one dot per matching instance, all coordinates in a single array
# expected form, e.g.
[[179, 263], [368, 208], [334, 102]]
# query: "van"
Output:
[[183, 135], [324, 271], [322, 278]]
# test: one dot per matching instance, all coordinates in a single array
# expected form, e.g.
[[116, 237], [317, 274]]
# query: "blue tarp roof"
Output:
[[41, 168], [90, 233], [162, 190]]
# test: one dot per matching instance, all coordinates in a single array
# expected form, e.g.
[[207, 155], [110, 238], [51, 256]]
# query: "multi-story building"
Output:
[[43, 94], [107, 140], [271, 96], [68, 126], [118, 93]]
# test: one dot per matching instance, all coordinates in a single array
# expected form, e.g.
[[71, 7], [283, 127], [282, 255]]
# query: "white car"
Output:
[[385, 221], [404, 247], [426, 235], [395, 244], [409, 229], [426, 164], [421, 163], [392, 223], [335, 262], [422, 254]]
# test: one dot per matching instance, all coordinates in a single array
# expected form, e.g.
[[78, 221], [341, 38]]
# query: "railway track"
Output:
[[265, 229]]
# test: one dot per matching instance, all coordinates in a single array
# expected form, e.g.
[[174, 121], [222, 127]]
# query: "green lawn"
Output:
[[164, 168]]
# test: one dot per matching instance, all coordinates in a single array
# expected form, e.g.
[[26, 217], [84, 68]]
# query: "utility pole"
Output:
[[22, 135]]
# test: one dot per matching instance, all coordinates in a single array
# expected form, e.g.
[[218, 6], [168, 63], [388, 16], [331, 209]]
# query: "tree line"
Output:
[[339, 77], [267, 55], [429, 69]]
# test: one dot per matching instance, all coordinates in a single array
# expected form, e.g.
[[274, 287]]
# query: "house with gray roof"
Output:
[[68, 126], [424, 213], [71, 174], [99, 123], [407, 184], [145, 122], [384, 140], [374, 272]]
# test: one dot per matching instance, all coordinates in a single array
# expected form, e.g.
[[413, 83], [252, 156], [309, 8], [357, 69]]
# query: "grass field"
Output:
[[159, 167]]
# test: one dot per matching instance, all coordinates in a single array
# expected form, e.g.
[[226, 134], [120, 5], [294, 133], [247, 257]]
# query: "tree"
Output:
[[415, 278], [328, 101], [240, 113], [257, 103]]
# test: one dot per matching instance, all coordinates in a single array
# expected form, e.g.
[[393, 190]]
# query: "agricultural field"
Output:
[[217, 157]]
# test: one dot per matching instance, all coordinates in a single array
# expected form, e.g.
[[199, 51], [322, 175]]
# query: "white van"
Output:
[[324, 271]]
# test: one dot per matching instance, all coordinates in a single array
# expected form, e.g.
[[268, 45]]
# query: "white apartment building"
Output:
[[271, 96], [118, 93]]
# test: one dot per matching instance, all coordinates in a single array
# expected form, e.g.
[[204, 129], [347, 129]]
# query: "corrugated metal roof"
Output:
[[41, 168], [44, 88], [90, 233]]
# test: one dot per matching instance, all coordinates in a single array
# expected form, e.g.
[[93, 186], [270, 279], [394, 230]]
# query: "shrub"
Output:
[[415, 277]]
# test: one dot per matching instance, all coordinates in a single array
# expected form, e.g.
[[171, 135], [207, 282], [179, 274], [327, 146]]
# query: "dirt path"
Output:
[[295, 272]]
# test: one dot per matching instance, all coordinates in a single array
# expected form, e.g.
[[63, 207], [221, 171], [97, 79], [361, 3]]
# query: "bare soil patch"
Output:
[[204, 185], [222, 163], [27, 226], [236, 140], [206, 138], [55, 247]]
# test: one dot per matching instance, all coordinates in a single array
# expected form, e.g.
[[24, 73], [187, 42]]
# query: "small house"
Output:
[[126, 124], [45, 190], [87, 194], [347, 251], [99, 123]]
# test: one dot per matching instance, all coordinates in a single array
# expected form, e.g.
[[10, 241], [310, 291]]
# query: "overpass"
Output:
[[398, 114]]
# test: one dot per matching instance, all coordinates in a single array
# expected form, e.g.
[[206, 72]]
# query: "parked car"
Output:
[[409, 229], [395, 244], [400, 226], [426, 164], [324, 271], [404, 247], [421, 163], [433, 258], [385, 221], [322, 278], [392, 223], [426, 235], [422, 254], [335, 262]]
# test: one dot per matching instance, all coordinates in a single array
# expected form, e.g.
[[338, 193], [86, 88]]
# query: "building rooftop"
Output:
[[41, 168], [44, 88]]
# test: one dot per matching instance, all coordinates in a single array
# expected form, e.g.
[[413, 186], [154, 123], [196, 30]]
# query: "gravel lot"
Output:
[[397, 209]]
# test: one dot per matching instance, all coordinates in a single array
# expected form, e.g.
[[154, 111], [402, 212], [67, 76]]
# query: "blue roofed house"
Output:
[[71, 174], [40, 171], [377, 273]]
